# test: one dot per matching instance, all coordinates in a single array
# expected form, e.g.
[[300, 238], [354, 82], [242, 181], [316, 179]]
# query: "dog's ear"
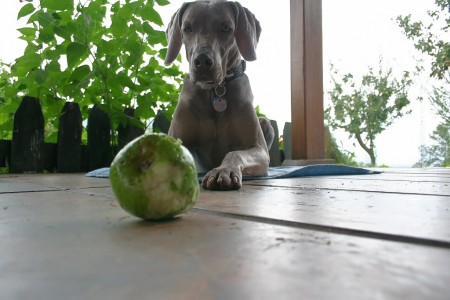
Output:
[[174, 35], [247, 32]]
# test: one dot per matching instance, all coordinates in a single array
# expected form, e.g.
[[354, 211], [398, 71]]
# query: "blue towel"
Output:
[[281, 172]]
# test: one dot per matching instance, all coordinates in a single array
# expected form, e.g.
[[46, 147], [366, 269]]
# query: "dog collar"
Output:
[[232, 74], [219, 102]]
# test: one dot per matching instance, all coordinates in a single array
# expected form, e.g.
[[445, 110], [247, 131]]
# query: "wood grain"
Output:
[[307, 80], [384, 236], [75, 246]]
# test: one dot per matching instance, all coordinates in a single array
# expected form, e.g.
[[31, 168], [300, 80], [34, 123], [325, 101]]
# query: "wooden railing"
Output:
[[27, 152]]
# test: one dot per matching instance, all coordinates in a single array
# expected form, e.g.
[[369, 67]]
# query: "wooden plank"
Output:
[[423, 217], [393, 209], [421, 171], [21, 187], [400, 216], [348, 184], [308, 137], [74, 246], [30, 182], [411, 177]]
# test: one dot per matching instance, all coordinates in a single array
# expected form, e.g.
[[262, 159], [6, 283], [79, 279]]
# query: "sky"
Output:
[[355, 34]]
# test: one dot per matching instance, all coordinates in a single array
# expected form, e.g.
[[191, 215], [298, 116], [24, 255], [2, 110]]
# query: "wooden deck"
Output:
[[384, 236]]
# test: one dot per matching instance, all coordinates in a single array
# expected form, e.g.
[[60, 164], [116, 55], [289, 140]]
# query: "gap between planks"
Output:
[[329, 229]]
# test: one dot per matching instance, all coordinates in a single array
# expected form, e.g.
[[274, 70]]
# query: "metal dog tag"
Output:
[[219, 104]]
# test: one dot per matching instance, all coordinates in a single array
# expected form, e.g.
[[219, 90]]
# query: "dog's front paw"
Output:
[[222, 179]]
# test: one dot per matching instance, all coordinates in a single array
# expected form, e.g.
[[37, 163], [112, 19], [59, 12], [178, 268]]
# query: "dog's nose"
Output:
[[203, 62]]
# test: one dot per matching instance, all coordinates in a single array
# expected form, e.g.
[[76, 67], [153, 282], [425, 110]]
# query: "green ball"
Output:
[[154, 177]]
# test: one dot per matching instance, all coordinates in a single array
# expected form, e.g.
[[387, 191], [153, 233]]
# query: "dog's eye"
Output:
[[226, 28], [187, 28]]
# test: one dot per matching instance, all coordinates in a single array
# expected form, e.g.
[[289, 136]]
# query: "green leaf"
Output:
[[53, 66], [80, 73], [28, 61], [27, 31], [40, 76], [44, 18], [162, 2], [57, 4], [158, 37], [125, 80], [47, 34], [63, 32], [25, 10], [149, 14], [75, 53]]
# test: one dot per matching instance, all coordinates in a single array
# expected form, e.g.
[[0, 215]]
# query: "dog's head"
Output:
[[215, 34]]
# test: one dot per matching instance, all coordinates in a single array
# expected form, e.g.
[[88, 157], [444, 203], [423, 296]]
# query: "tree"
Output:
[[335, 152], [438, 154], [428, 39], [95, 52], [367, 109], [440, 98]]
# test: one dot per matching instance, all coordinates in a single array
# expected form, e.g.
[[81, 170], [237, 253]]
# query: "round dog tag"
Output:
[[219, 104]]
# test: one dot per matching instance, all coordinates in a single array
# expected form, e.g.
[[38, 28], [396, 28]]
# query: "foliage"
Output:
[[95, 53], [438, 154], [336, 153], [428, 39], [440, 98], [366, 109], [259, 113], [8, 105]]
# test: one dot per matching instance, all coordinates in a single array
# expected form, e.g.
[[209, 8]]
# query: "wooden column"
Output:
[[307, 81]]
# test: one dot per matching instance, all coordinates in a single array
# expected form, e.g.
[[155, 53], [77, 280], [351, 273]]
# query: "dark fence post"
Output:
[[50, 156], [161, 123], [5, 153], [69, 139], [27, 147], [99, 139], [287, 141], [274, 151], [129, 132]]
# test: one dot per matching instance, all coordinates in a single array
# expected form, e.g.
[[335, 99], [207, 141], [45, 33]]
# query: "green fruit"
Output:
[[154, 177]]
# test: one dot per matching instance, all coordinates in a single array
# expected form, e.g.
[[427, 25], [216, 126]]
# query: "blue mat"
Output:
[[281, 172]]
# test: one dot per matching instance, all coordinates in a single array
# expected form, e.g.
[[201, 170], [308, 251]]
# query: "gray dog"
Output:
[[215, 118]]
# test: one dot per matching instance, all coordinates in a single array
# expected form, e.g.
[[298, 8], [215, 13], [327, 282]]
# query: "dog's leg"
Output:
[[228, 176]]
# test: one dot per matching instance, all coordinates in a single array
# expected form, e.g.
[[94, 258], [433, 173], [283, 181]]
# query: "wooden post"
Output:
[[27, 147], [161, 123], [69, 139], [274, 151], [307, 81], [99, 139], [50, 156], [287, 140], [128, 133], [5, 152]]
